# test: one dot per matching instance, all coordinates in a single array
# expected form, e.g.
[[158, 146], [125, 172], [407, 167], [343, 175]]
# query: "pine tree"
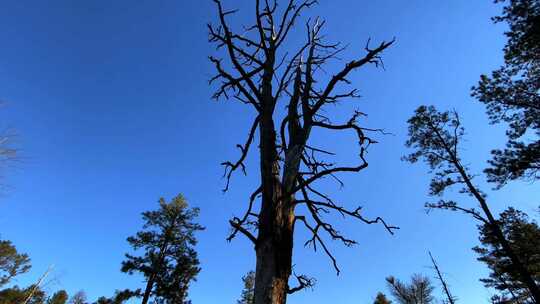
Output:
[[247, 296], [169, 262], [381, 299], [78, 298], [17, 295], [119, 297], [418, 291], [12, 263], [524, 237], [59, 297], [435, 138]]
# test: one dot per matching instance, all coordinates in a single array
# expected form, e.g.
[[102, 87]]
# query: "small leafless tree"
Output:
[[450, 299], [262, 73], [8, 152]]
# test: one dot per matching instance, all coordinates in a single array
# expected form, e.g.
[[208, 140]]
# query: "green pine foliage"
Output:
[[418, 291], [524, 237], [59, 297], [12, 263], [512, 94], [167, 256], [248, 293], [119, 297], [381, 299], [19, 295]]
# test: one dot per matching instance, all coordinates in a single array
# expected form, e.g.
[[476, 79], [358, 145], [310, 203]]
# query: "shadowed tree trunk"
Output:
[[261, 74], [276, 220], [148, 290]]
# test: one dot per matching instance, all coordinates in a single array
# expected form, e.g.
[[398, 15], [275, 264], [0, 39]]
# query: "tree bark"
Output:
[[274, 252], [148, 290], [524, 274], [276, 223], [152, 278], [520, 268], [449, 296]]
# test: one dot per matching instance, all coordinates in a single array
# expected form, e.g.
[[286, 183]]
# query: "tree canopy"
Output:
[[524, 237], [381, 299], [119, 297], [512, 94], [418, 291], [59, 297], [248, 290], [12, 263], [15, 294]]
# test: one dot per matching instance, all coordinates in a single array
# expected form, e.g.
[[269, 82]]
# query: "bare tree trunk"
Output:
[[273, 267], [451, 299], [276, 224], [152, 278], [524, 274]]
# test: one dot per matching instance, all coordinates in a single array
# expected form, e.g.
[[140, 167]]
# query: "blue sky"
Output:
[[112, 106]]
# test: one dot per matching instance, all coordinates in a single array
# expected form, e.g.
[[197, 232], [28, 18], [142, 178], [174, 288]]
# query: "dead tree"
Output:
[[288, 98], [450, 299], [8, 152]]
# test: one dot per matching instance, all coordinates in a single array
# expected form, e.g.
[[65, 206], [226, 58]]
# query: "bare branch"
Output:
[[239, 222], [232, 82], [231, 50], [244, 231], [453, 206], [316, 238], [217, 37], [287, 23], [315, 207], [363, 142], [303, 283], [373, 56], [231, 167], [355, 213]]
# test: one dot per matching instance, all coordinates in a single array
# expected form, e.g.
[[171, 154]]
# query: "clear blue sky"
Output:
[[113, 110]]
